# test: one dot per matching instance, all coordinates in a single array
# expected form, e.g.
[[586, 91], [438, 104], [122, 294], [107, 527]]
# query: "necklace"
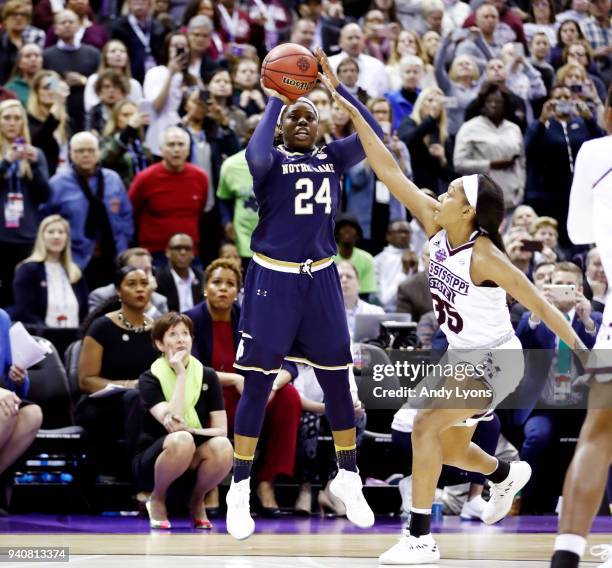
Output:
[[130, 326]]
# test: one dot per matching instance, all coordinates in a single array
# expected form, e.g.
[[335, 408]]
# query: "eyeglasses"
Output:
[[18, 15], [187, 248]]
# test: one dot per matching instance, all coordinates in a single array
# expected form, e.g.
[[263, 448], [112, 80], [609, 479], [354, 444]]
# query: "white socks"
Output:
[[571, 543]]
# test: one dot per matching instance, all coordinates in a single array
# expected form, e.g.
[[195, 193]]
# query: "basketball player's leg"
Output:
[[591, 461], [323, 339], [268, 323]]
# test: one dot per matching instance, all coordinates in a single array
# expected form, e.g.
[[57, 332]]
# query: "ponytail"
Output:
[[490, 210]]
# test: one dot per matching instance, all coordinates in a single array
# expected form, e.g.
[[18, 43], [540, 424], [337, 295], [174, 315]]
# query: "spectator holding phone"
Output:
[[165, 86], [114, 56], [460, 85], [493, 145], [23, 188], [575, 77], [122, 145], [520, 254], [551, 381], [48, 119], [425, 133], [545, 233], [581, 53], [564, 125]]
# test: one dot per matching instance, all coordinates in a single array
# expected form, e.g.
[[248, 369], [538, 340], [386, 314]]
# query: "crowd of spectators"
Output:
[[122, 132]]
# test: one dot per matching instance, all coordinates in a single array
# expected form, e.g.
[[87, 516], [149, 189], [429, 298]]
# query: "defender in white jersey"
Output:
[[589, 221], [469, 297]]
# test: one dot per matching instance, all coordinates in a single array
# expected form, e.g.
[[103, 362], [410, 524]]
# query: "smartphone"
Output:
[[578, 89], [203, 95], [561, 292], [180, 50], [565, 107], [529, 245], [145, 106], [519, 49], [19, 145]]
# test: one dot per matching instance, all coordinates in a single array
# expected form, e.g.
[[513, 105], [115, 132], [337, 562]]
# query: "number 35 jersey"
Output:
[[470, 316], [298, 198]]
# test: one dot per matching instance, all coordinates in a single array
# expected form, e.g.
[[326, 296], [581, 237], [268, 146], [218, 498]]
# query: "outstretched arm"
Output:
[[386, 168], [489, 263]]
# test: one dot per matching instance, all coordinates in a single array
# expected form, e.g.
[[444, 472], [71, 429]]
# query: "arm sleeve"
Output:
[[259, 150], [350, 148], [580, 214]]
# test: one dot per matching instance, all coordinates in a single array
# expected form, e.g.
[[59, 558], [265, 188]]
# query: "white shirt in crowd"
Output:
[[183, 289], [62, 304], [92, 99], [372, 73], [360, 307], [389, 275], [168, 115]]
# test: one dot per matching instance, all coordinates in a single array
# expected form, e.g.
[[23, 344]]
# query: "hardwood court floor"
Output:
[[473, 550]]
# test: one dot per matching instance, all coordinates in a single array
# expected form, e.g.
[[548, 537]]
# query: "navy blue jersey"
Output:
[[299, 193]]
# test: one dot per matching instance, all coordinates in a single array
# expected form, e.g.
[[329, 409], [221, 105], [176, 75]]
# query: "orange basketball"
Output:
[[290, 69]]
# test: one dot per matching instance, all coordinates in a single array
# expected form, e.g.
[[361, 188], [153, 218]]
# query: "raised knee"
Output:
[[32, 416], [180, 442], [221, 449]]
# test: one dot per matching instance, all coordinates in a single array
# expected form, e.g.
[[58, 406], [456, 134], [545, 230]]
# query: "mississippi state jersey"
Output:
[[470, 316], [298, 198]]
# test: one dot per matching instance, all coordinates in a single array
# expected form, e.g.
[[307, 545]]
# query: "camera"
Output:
[[565, 107], [561, 292], [528, 245], [578, 88]]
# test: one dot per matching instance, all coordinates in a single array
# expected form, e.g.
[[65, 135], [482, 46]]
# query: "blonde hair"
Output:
[[395, 57], [564, 71], [442, 121], [452, 74], [39, 252], [111, 126], [25, 170], [544, 221], [37, 110]]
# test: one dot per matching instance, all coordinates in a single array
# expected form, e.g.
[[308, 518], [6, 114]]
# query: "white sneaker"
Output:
[[239, 522], [412, 550], [502, 494], [473, 509], [405, 489], [604, 552], [347, 487]]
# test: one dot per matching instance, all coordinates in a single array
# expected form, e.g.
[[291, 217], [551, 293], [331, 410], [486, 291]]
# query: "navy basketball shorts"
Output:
[[299, 317]]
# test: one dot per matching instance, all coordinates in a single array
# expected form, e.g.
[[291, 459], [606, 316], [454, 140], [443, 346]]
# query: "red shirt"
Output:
[[223, 353], [166, 203]]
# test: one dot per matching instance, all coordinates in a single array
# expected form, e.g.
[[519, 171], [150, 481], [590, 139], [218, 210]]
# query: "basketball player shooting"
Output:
[[293, 306], [588, 221], [467, 251]]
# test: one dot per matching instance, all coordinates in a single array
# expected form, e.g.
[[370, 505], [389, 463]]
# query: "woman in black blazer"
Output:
[[48, 287]]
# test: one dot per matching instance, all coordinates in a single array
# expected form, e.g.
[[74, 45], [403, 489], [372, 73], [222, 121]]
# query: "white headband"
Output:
[[470, 188], [300, 100]]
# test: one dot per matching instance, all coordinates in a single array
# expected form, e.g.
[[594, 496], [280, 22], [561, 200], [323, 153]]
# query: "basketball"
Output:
[[290, 69]]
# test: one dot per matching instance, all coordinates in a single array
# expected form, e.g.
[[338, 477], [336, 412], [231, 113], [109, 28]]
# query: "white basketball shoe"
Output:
[[347, 487], [239, 522], [411, 550], [502, 494]]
